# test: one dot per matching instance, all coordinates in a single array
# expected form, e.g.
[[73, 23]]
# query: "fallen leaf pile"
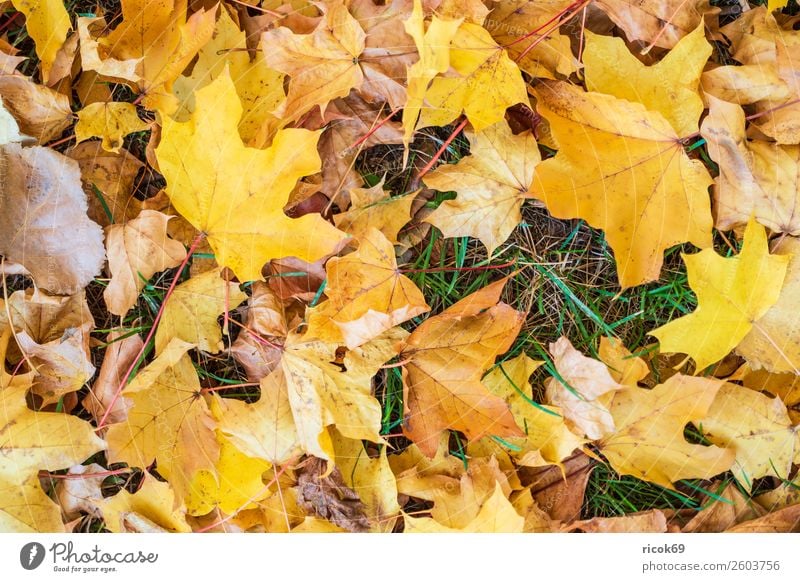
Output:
[[213, 317]]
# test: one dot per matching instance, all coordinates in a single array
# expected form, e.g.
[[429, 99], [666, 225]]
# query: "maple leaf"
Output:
[[155, 41], [372, 480], [109, 121], [765, 440], [236, 194], [136, 251], [33, 441], [491, 183], [152, 509], [111, 174], [669, 87], [540, 55], [314, 388], [582, 389], [260, 88], [191, 312], [622, 169], [547, 439], [367, 295], [732, 294], [660, 23], [374, 208], [168, 421], [322, 65], [41, 113], [757, 178], [235, 485], [648, 442], [43, 218], [486, 82], [433, 46], [444, 359], [766, 77], [773, 342], [121, 352], [47, 23], [623, 367], [496, 516]]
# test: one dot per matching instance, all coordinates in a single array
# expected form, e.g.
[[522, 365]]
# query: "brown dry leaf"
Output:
[[367, 295], [257, 347], [757, 178], [764, 440], [371, 478], [323, 493], [582, 391], [560, 491], [648, 442], [136, 251], [9, 59], [510, 22], [348, 121], [388, 49], [786, 520], [653, 521], [729, 509], [123, 348], [445, 358], [43, 218], [110, 177], [660, 23], [61, 366], [41, 113], [78, 492], [48, 318], [491, 184], [192, 310]]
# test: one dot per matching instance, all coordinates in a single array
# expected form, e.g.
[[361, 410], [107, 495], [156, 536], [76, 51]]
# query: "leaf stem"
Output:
[[195, 243]]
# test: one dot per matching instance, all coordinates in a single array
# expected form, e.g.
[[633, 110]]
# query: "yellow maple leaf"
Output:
[[732, 294], [773, 342], [485, 84], [648, 442], [764, 439], [367, 295], [47, 22], [236, 194], [168, 422], [755, 177], [110, 121], [433, 46], [622, 169], [491, 184], [191, 312], [308, 393], [497, 515], [547, 439], [669, 86], [152, 504]]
